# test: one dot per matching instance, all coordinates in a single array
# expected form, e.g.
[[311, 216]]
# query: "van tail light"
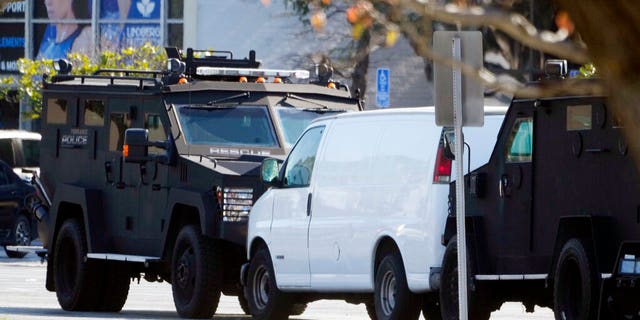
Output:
[[442, 170]]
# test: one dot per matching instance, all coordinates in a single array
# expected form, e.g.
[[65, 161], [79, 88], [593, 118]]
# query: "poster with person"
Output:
[[68, 31]]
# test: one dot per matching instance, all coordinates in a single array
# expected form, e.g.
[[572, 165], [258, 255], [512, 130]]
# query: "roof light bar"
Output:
[[213, 71]]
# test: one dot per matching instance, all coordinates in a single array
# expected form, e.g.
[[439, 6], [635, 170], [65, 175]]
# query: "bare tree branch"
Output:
[[514, 25]]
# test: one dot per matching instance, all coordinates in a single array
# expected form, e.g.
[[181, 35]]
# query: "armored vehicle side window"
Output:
[[94, 112], [118, 123], [153, 123], [303, 156], [294, 120], [519, 146], [579, 117], [56, 111], [227, 125]]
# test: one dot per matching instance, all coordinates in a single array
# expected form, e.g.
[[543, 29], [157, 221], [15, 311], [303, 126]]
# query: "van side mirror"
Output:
[[136, 145], [449, 145], [269, 171]]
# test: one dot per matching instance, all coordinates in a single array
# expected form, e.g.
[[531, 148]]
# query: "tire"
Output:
[[431, 306], [244, 304], [195, 274], [266, 301], [114, 284], [393, 299], [21, 234], [449, 288], [298, 309], [576, 287], [73, 275], [371, 310]]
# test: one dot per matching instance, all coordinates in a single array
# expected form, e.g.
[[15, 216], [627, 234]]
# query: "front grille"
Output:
[[236, 204]]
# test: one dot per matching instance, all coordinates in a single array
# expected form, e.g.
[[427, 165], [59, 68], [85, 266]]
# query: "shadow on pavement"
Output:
[[43, 313]]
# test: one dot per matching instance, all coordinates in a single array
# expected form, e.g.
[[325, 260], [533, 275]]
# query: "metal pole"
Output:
[[459, 153]]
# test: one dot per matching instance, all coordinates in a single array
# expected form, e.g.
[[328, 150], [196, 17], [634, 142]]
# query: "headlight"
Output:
[[630, 265], [236, 204]]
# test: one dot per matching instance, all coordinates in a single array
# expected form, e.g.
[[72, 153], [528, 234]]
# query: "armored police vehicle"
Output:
[[553, 217], [154, 173]]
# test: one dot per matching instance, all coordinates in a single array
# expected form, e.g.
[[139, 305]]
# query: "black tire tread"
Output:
[[208, 295], [583, 252], [407, 303], [280, 305]]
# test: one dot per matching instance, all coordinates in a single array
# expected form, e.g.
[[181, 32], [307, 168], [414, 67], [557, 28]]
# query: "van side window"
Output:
[[56, 111], [118, 123], [299, 167], [6, 152], [153, 123], [520, 143], [94, 112]]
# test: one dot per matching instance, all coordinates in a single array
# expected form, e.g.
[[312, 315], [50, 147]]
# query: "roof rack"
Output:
[[211, 58]]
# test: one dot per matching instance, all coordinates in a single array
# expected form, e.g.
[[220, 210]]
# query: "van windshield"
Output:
[[295, 120], [238, 125]]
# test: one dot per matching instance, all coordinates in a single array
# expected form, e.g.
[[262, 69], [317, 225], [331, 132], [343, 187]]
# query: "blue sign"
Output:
[[382, 85]]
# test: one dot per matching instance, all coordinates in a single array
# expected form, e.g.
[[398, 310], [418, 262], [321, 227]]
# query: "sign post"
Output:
[[382, 88], [459, 102]]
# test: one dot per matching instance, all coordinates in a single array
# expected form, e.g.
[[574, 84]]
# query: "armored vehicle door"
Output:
[[514, 175], [121, 192], [154, 185]]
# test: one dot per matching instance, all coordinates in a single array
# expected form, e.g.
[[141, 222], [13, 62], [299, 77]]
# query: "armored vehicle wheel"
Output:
[[73, 275], [393, 299], [449, 288], [371, 310], [21, 234], [114, 284], [575, 291], [298, 309], [195, 274], [244, 304], [431, 306], [266, 301]]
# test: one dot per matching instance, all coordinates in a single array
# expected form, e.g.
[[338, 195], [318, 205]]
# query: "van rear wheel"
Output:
[[576, 282], [195, 274], [266, 301], [393, 299]]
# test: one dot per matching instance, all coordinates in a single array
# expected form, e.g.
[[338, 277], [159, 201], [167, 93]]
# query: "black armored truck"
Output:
[[152, 174], [553, 219]]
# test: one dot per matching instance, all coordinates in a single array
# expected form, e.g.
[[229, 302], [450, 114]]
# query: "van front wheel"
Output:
[[266, 301], [393, 299]]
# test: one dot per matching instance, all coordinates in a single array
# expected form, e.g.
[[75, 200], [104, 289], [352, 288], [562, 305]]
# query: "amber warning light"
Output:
[[125, 150]]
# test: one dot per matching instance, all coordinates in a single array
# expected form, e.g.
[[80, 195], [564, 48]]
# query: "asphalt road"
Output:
[[23, 296]]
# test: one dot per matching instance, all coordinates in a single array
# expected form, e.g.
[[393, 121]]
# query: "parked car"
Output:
[[16, 225], [356, 212], [20, 149]]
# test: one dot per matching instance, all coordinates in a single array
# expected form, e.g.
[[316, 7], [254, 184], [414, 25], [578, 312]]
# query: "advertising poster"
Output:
[[129, 33], [11, 36]]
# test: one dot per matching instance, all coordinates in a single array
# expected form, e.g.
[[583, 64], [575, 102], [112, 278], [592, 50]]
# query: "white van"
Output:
[[357, 212], [20, 149]]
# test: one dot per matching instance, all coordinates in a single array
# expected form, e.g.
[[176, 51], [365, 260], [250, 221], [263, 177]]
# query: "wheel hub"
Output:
[[183, 271], [22, 234], [388, 293], [261, 287]]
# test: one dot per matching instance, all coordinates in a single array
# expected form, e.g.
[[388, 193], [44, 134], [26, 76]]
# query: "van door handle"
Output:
[[503, 184], [309, 204]]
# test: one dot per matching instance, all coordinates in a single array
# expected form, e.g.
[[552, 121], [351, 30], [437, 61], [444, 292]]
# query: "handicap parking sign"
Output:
[[382, 84]]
